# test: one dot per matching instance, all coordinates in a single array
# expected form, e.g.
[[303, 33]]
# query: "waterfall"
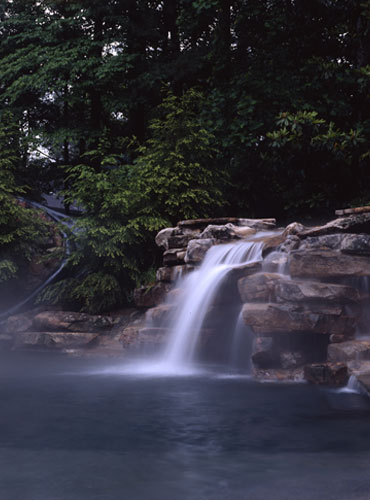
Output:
[[199, 291], [241, 346]]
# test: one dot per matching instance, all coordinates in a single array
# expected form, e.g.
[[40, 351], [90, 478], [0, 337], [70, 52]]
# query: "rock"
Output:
[[174, 295], [327, 264], [276, 262], [336, 339], [244, 270], [174, 256], [290, 243], [164, 235], [52, 340], [259, 287], [264, 356], [73, 321], [279, 375], [180, 240], [349, 351], [353, 244], [128, 335], [258, 224], [351, 224], [158, 316], [172, 273], [272, 243], [17, 323], [268, 319], [294, 228], [224, 232], [150, 339], [306, 291], [356, 244], [241, 232], [326, 242], [334, 374], [150, 296], [291, 359], [197, 249], [364, 381]]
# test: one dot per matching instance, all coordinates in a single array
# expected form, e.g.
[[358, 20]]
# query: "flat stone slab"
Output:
[[272, 318], [327, 264], [349, 351], [272, 287], [52, 340]]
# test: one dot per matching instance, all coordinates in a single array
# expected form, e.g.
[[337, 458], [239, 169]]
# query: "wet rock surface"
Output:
[[332, 374], [273, 318], [322, 264], [349, 351]]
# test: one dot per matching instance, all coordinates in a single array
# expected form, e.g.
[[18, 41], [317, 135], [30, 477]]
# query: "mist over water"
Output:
[[70, 429]]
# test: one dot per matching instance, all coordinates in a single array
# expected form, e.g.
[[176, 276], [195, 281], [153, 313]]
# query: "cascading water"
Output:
[[199, 291], [63, 220], [241, 346]]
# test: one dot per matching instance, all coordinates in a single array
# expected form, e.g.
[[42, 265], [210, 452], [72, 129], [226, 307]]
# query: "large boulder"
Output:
[[353, 244], [218, 232], [197, 249], [227, 232], [172, 273], [48, 321], [174, 256], [150, 296], [356, 244], [349, 351], [333, 374], [294, 228], [164, 235], [327, 264], [17, 323], [259, 287], [52, 340], [267, 319], [159, 316], [306, 291]]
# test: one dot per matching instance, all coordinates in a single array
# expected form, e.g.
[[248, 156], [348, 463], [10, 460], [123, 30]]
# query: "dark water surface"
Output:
[[71, 432]]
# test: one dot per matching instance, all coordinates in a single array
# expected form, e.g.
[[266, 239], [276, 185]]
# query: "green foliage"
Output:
[[95, 293], [59, 294], [176, 171], [8, 270], [98, 292], [313, 160]]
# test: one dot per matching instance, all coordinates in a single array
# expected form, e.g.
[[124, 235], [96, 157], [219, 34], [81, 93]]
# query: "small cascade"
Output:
[[276, 262], [353, 386], [241, 347], [63, 220], [199, 291]]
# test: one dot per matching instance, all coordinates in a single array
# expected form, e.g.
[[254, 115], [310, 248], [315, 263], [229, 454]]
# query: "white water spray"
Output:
[[200, 289]]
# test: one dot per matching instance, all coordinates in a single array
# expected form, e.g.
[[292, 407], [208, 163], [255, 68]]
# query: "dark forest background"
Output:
[[147, 112]]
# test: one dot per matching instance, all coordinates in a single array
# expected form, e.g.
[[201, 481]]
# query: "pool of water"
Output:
[[82, 430]]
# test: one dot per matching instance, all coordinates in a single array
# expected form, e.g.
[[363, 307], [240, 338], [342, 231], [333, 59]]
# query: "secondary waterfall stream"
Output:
[[64, 221]]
